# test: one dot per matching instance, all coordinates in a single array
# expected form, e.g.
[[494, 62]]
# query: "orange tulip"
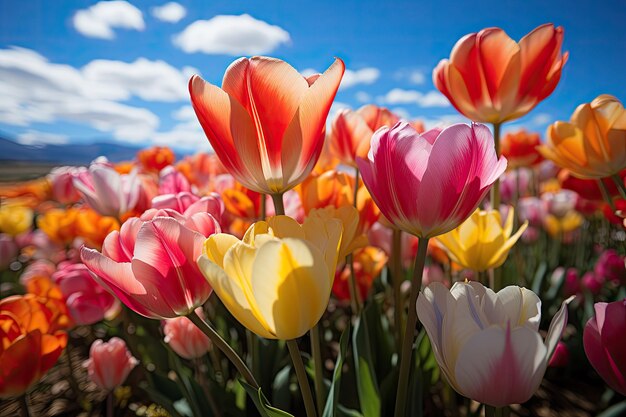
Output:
[[59, 224], [352, 131], [31, 193], [520, 149], [93, 227], [201, 169], [336, 189], [267, 122], [156, 158], [30, 343], [593, 144], [490, 78]]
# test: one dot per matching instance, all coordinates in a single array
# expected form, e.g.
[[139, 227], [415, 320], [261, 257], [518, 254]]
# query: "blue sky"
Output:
[[81, 71]]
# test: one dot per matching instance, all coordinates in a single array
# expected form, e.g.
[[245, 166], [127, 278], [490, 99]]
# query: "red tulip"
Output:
[[490, 78], [267, 122]]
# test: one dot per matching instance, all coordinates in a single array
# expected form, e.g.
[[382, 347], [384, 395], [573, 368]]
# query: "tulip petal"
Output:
[[118, 279], [231, 294], [230, 131], [304, 137], [557, 325], [499, 367], [216, 246], [21, 363], [164, 263], [289, 286]]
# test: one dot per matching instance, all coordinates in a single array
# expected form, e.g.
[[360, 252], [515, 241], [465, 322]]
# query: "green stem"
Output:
[[279, 205], [110, 404], [316, 351], [606, 195], [303, 380], [620, 185], [397, 278], [225, 348], [202, 381], [409, 333], [24, 405], [355, 299], [495, 189]]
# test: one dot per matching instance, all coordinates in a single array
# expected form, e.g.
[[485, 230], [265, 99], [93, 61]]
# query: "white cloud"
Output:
[[231, 35], [362, 76], [148, 80], [99, 20], [430, 99], [363, 97], [36, 90], [417, 77], [34, 137], [307, 72], [185, 114], [171, 12], [541, 119]]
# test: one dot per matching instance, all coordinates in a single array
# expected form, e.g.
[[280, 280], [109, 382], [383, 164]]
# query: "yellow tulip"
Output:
[[563, 226], [277, 280], [481, 242], [15, 218], [352, 238], [593, 143]]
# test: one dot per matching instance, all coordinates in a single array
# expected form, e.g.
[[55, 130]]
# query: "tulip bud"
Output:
[[109, 363]]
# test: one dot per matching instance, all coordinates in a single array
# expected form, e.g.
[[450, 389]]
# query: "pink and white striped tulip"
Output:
[[605, 344], [109, 192], [62, 183], [109, 363], [151, 266], [488, 344], [428, 184]]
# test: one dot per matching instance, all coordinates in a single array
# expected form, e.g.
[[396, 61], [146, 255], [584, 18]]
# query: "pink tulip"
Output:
[[107, 191], [533, 210], [172, 181], [185, 338], [8, 250], [109, 363], [151, 266], [561, 202], [510, 186], [561, 356], [592, 283], [612, 267], [62, 183], [605, 344], [202, 215], [267, 122], [571, 283], [428, 184], [87, 302]]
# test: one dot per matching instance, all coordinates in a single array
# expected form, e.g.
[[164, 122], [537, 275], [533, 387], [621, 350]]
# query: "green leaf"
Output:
[[281, 395], [538, 279], [346, 412], [617, 410], [262, 404], [332, 401], [367, 385]]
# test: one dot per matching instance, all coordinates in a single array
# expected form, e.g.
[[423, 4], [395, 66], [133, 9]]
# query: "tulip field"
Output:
[[331, 264]]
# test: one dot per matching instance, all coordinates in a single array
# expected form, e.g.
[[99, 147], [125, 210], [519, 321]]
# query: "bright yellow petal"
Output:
[[231, 294], [290, 286], [216, 246]]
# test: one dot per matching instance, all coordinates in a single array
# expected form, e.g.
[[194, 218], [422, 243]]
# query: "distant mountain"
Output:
[[71, 154]]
